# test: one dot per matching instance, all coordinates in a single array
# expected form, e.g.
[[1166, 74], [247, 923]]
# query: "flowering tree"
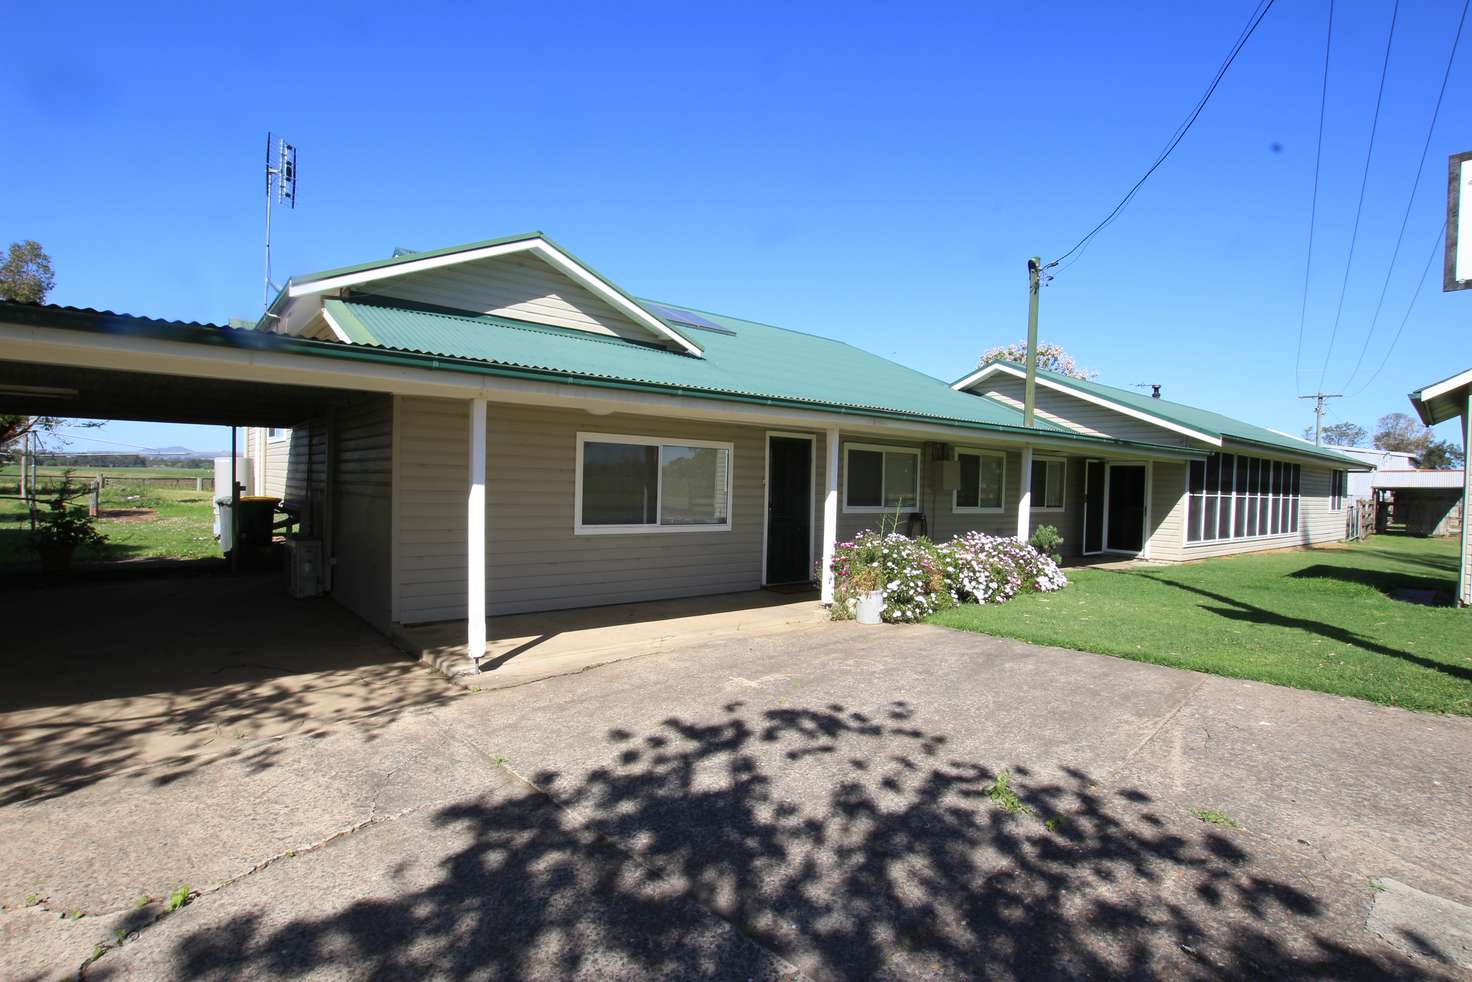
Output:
[[1051, 358]]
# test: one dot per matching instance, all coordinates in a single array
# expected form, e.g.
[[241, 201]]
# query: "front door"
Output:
[[1124, 529], [1093, 507], [789, 509]]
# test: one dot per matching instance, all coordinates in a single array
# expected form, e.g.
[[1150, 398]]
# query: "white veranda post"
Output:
[[475, 533], [830, 513], [1024, 499]]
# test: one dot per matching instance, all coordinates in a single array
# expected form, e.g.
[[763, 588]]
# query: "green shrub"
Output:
[[1047, 540]]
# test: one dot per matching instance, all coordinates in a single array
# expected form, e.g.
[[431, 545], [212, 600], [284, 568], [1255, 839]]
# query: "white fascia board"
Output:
[[1442, 388], [998, 369], [540, 248]]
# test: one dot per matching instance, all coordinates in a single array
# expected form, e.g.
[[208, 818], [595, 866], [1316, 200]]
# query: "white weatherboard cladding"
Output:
[[362, 447], [1081, 415], [520, 286]]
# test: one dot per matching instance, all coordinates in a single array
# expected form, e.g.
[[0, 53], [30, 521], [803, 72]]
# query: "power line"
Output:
[[1410, 199], [1364, 182], [1180, 134], [1420, 288], [1313, 210]]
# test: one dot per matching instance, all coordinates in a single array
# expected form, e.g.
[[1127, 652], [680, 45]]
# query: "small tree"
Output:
[[1402, 434], [26, 275], [1442, 455], [1345, 434], [1051, 358]]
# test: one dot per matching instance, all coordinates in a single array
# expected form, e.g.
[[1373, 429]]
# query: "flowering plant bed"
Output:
[[919, 577]]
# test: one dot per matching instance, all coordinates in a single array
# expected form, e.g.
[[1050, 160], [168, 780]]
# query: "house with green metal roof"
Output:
[[498, 428]]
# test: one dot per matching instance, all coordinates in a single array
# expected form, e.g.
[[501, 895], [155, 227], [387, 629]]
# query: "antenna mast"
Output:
[[281, 185]]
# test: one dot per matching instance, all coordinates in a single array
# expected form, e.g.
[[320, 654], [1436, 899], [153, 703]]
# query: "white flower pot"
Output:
[[870, 607]]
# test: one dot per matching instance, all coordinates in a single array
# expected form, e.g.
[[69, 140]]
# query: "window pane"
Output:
[[1224, 518], [991, 482], [1198, 477], [693, 488], [1259, 475], [1039, 482], [969, 491], [1054, 496], [1239, 520], [1243, 468], [901, 489], [620, 483], [1193, 518], [1294, 516], [1209, 531], [865, 478], [1283, 514], [1252, 515], [1213, 472]]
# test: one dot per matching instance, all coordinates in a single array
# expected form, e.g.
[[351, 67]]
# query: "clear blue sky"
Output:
[[877, 173]]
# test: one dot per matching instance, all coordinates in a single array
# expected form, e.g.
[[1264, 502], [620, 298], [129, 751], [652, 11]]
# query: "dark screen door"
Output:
[[789, 509], [1127, 507], [1093, 507]]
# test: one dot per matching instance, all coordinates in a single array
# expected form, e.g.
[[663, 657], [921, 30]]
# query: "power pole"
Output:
[[1034, 282], [1318, 398]]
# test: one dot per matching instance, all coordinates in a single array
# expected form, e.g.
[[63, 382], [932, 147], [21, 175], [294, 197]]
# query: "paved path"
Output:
[[823, 804]]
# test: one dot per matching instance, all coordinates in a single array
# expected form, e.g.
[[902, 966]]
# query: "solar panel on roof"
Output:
[[687, 318]]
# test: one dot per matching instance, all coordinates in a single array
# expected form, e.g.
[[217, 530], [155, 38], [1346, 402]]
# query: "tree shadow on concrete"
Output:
[[852, 844], [159, 674]]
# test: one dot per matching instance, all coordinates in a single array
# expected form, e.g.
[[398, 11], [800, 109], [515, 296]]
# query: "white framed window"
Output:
[[651, 484], [983, 476], [1337, 482], [1233, 496], [276, 434], [1047, 483], [878, 478]]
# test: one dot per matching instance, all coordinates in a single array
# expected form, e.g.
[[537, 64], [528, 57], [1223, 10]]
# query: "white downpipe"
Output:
[[1024, 499], [830, 512], [475, 607]]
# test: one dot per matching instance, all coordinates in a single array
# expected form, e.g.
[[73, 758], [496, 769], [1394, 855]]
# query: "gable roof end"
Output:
[[534, 243]]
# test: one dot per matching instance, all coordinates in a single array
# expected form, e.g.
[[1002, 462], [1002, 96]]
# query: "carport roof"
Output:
[[782, 369]]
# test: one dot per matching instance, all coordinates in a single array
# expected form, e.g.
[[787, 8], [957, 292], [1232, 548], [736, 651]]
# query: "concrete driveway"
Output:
[[828, 803]]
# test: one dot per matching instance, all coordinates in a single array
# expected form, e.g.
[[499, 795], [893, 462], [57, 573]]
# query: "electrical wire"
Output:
[[1360, 206], [1258, 14], [1420, 288], [1313, 210], [1410, 199]]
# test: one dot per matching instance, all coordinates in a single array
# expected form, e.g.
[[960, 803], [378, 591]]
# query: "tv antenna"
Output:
[[1154, 388], [280, 185]]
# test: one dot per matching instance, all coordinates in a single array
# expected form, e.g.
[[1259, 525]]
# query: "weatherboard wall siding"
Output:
[[534, 559], [1079, 414], [362, 477], [1317, 523], [518, 286]]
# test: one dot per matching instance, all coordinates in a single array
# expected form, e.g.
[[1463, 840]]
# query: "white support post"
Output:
[[1464, 566], [475, 535], [1024, 499], [830, 512]]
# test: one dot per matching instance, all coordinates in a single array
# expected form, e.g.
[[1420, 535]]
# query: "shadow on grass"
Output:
[[852, 844], [1242, 611], [1387, 582]]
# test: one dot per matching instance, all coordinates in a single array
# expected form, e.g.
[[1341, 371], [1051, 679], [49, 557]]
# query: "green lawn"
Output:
[[1320, 619], [164, 523]]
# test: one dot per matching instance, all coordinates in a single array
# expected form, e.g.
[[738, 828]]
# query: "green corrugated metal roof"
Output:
[[1202, 420], [755, 360]]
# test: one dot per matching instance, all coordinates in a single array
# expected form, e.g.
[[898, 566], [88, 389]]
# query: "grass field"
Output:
[[145, 523], [1320, 619]]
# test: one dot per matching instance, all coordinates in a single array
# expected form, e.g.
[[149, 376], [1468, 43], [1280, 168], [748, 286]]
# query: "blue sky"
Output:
[[877, 173]]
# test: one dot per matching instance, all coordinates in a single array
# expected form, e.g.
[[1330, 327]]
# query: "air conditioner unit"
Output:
[[303, 567]]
